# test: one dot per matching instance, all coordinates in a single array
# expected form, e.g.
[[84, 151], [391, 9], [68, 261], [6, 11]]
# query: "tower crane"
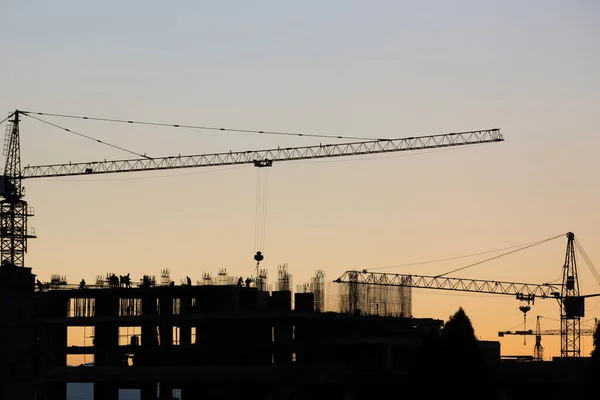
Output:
[[538, 349], [570, 301], [14, 210]]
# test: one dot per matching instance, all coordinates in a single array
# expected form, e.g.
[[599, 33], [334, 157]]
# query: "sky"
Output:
[[353, 68]]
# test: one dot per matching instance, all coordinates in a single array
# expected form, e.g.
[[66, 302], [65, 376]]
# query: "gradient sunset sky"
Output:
[[355, 68]]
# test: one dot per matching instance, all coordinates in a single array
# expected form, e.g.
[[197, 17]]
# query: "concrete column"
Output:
[[17, 338], [166, 328], [149, 333], [148, 391], [165, 391], [53, 345], [103, 391], [283, 332], [191, 392], [106, 335], [185, 329], [51, 390]]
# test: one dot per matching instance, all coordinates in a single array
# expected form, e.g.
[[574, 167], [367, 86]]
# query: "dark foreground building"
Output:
[[217, 342], [224, 342]]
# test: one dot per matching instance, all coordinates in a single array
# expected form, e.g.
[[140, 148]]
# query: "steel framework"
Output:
[[523, 291], [13, 209], [571, 302], [571, 310], [538, 349], [262, 158]]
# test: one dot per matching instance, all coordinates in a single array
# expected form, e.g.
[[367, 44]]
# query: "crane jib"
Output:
[[523, 291], [261, 158]]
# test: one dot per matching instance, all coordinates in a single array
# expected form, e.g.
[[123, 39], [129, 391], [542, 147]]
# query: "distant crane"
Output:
[[14, 210], [567, 294], [538, 349]]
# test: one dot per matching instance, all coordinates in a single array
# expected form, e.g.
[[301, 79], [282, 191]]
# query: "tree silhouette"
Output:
[[593, 370], [462, 361], [596, 351], [458, 334]]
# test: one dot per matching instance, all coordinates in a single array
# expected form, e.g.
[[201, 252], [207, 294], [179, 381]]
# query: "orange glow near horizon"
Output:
[[335, 68]]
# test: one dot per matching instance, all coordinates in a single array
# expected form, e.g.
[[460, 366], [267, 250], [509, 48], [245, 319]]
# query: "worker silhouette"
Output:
[[125, 280], [82, 284], [240, 282], [248, 281], [189, 281]]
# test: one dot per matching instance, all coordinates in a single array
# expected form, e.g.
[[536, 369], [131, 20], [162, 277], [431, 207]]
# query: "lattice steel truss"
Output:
[[262, 158], [523, 291], [571, 307], [14, 211], [358, 296]]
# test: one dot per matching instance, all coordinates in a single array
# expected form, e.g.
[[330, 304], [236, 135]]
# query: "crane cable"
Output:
[[583, 322], [500, 255], [260, 225], [457, 258], [588, 261], [201, 127], [594, 307], [4, 120], [88, 137]]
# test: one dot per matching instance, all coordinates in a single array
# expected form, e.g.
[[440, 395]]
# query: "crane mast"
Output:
[[14, 210], [538, 349], [572, 306]]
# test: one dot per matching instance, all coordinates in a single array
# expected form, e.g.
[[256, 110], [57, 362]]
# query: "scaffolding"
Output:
[[222, 279], [206, 280], [375, 299], [406, 297], [332, 298], [100, 281], [284, 278], [165, 277], [318, 288], [261, 280]]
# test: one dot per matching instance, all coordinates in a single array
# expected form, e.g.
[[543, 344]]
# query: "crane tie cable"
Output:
[[88, 137], [498, 256], [210, 128], [456, 257], [4, 120], [588, 261]]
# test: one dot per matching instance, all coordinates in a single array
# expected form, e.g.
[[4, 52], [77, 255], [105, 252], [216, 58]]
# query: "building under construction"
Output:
[[226, 337], [221, 337]]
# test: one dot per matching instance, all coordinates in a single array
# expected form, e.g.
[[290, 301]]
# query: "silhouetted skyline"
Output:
[[396, 69]]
